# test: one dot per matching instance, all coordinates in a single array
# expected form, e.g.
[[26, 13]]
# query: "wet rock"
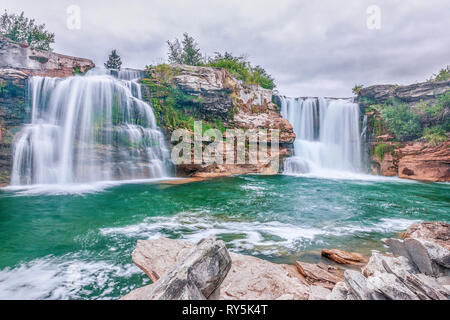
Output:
[[195, 276], [320, 274], [344, 257]]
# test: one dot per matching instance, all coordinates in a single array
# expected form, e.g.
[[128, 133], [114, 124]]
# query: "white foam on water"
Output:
[[76, 188], [256, 237], [63, 278]]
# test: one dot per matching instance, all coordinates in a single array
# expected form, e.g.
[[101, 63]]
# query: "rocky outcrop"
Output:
[[216, 96], [249, 278], [438, 232], [418, 270], [412, 93], [195, 276], [412, 157], [34, 62], [416, 161]]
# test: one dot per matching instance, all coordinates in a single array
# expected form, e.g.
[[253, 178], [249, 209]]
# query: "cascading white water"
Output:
[[328, 136], [87, 129]]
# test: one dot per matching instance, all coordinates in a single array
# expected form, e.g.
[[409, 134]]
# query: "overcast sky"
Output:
[[312, 48]]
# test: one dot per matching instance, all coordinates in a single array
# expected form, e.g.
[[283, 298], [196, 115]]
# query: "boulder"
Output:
[[319, 293], [195, 276], [357, 285], [389, 286], [320, 274], [339, 292], [344, 257], [249, 278], [438, 232]]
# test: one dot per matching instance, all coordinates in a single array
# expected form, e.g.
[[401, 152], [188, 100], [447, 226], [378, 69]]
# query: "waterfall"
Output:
[[328, 136], [89, 128]]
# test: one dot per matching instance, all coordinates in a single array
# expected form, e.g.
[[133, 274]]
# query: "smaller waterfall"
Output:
[[89, 128], [328, 136]]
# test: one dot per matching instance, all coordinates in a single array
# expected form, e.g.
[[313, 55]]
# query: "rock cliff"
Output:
[[34, 62], [411, 158], [181, 94]]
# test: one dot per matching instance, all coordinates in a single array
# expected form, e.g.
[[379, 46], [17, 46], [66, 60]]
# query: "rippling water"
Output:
[[78, 246]]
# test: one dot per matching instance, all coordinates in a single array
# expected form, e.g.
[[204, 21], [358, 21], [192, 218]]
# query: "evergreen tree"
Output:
[[191, 52], [20, 29], [114, 61], [186, 52]]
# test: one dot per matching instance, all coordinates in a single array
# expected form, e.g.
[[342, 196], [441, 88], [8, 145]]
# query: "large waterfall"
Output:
[[328, 135], [89, 128]]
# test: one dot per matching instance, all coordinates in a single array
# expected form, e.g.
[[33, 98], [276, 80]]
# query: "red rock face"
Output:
[[420, 161], [417, 161]]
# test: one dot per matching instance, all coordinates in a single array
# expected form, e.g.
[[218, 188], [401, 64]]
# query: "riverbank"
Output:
[[416, 268]]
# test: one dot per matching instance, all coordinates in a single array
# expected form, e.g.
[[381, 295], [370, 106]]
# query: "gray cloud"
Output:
[[317, 48]]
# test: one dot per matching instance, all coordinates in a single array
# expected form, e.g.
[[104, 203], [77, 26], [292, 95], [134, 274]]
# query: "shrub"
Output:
[[443, 74], [382, 149], [356, 89], [435, 135], [240, 68], [401, 121], [23, 30]]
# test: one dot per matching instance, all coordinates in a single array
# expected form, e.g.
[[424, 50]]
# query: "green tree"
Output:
[[185, 52], [191, 52], [114, 61], [175, 51], [20, 29]]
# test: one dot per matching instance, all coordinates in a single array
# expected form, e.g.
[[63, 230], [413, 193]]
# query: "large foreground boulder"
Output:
[[249, 278], [195, 276]]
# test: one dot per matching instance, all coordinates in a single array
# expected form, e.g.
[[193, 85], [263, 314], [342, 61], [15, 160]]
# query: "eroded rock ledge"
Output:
[[34, 62], [417, 269]]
